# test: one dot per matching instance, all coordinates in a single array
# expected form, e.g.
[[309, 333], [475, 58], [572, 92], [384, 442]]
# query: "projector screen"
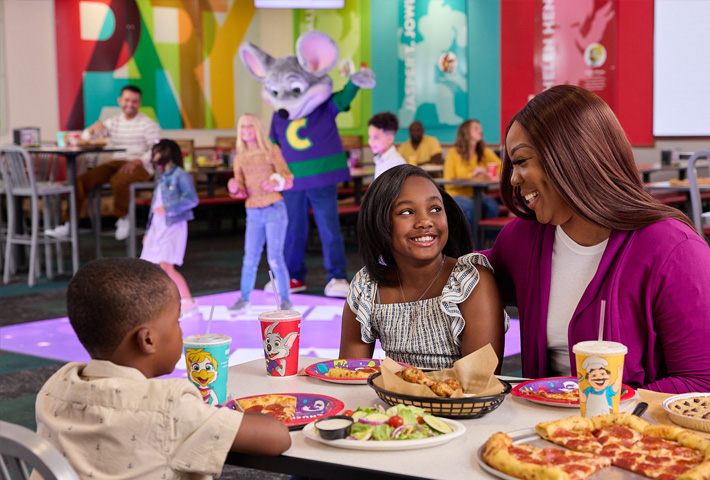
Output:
[[299, 3], [681, 68]]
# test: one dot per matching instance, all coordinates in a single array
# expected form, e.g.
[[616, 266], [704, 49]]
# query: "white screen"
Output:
[[299, 3], [681, 68]]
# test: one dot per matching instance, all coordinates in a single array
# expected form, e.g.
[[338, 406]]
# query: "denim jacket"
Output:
[[179, 196]]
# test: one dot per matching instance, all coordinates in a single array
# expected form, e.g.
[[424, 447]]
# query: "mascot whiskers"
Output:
[[300, 91]]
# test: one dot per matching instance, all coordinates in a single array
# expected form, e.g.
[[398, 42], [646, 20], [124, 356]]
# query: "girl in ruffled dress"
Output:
[[173, 200], [421, 293]]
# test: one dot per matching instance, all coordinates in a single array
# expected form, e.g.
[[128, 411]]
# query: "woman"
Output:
[[468, 159], [588, 231]]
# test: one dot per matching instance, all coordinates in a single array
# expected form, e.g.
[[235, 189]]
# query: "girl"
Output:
[[470, 158], [173, 200], [427, 301], [260, 174]]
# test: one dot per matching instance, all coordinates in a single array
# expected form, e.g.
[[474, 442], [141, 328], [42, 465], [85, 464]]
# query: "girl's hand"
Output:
[[480, 172], [159, 211], [233, 187]]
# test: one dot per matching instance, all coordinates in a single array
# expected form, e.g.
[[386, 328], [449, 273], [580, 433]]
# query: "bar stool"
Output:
[[18, 177]]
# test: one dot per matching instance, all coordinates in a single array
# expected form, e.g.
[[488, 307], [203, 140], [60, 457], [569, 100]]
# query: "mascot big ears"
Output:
[[295, 85]]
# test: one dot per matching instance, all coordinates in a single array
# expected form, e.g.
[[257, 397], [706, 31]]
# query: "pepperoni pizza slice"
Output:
[[282, 407], [574, 433], [532, 463]]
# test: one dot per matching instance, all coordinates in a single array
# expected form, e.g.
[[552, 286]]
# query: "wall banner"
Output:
[[180, 53], [576, 44], [433, 62]]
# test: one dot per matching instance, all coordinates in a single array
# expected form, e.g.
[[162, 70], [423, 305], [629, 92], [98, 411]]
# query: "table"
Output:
[[358, 174], [646, 169], [696, 208], [479, 186], [211, 173], [71, 154], [451, 461]]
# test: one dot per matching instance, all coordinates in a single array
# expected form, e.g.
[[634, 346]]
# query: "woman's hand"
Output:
[[480, 172]]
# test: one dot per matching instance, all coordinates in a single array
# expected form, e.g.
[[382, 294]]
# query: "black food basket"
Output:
[[469, 407]]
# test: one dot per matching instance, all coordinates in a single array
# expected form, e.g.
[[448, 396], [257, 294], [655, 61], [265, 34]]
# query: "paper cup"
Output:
[[600, 367], [492, 169], [207, 358], [281, 331]]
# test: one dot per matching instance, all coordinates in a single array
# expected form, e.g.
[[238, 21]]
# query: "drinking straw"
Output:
[[601, 321], [209, 322], [276, 292]]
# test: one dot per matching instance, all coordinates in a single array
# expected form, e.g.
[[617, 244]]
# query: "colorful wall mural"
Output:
[[179, 52]]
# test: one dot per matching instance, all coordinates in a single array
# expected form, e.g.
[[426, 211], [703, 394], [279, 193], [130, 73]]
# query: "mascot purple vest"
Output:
[[300, 91]]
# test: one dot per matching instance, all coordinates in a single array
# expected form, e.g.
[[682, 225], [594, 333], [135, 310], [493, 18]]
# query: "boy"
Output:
[[110, 418], [380, 133]]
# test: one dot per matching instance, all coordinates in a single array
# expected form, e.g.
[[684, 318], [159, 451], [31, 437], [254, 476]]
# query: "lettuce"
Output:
[[382, 432]]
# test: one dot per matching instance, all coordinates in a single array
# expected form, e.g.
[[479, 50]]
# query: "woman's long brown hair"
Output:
[[587, 157], [462, 144]]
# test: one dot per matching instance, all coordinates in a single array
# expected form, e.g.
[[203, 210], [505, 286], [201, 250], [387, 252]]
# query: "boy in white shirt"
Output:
[[380, 133], [110, 418]]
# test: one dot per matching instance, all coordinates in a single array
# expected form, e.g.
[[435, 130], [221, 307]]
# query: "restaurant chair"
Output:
[[19, 180], [700, 219], [21, 448]]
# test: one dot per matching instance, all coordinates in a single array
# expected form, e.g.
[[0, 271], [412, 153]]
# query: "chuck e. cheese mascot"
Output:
[[300, 91]]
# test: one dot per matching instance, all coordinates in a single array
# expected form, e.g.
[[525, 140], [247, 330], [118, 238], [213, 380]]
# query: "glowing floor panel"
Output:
[[320, 330]]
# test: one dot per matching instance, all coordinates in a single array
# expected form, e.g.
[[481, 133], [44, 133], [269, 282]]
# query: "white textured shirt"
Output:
[[390, 158], [137, 136], [111, 422], [573, 267]]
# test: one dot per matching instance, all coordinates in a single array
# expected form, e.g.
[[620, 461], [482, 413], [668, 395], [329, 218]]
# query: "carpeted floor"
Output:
[[212, 265]]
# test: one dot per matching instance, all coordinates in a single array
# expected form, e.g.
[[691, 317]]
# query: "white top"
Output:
[[137, 136], [573, 267], [110, 422], [390, 158]]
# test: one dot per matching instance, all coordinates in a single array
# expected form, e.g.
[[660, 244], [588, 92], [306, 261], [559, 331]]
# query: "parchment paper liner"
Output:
[[475, 371]]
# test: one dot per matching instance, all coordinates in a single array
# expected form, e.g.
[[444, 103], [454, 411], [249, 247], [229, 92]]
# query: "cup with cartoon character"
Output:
[[600, 367], [207, 358], [281, 331]]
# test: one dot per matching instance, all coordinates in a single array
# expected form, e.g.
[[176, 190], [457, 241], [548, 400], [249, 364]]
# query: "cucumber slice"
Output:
[[437, 424], [358, 415]]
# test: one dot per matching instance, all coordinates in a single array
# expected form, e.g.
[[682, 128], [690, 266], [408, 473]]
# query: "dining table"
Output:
[[359, 174], [479, 186], [71, 154], [456, 459]]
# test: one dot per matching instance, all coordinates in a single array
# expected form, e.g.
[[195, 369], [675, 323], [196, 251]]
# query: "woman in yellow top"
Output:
[[469, 159]]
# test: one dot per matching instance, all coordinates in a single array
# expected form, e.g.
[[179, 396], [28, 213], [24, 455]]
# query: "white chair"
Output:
[[19, 180], [700, 219], [20, 447]]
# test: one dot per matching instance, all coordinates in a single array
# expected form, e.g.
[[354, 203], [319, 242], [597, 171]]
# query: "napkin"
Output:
[[475, 371], [656, 410]]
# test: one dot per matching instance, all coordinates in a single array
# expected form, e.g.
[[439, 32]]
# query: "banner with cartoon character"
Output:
[[575, 44]]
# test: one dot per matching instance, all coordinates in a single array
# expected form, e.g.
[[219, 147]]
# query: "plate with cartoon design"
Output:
[[564, 388], [309, 407], [360, 367]]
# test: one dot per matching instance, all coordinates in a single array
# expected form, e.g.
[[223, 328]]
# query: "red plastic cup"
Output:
[[280, 332], [492, 169]]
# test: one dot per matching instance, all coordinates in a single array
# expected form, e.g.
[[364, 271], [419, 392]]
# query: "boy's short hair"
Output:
[[131, 88], [109, 297], [385, 121]]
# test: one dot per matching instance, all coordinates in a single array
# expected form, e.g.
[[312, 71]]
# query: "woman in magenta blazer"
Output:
[[588, 231]]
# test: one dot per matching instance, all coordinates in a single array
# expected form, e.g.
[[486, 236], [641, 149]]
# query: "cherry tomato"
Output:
[[420, 420], [349, 413], [395, 421]]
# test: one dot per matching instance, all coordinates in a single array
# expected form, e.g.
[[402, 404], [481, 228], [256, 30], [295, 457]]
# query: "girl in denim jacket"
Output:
[[173, 200]]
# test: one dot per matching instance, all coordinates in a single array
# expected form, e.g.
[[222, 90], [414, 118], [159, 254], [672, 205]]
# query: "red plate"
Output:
[[309, 407], [558, 385]]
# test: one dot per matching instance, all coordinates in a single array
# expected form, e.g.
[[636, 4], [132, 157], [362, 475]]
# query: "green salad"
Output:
[[401, 422]]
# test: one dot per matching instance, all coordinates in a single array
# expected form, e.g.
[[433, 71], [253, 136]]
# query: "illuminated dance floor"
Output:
[[320, 330]]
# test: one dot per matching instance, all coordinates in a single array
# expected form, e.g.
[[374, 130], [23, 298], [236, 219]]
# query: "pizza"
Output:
[[282, 407], [339, 372], [571, 396], [656, 451], [532, 463]]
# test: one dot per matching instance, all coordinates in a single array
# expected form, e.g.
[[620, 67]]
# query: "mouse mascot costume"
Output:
[[300, 91]]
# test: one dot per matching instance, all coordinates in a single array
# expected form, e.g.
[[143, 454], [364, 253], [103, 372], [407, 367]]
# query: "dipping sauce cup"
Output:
[[600, 367], [335, 427]]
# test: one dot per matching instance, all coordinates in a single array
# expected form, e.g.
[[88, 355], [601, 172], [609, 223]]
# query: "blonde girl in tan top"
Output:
[[260, 175]]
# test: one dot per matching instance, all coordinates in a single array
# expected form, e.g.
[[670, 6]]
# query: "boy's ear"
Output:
[[144, 340]]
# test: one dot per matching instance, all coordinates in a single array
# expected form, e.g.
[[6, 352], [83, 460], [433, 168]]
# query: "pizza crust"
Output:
[[288, 403], [546, 430], [496, 454]]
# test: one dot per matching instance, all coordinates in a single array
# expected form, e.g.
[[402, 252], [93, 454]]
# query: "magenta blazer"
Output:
[[656, 283]]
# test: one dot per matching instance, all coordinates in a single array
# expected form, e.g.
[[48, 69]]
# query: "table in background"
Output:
[[454, 460], [212, 173], [71, 154], [479, 186], [681, 169], [358, 174]]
